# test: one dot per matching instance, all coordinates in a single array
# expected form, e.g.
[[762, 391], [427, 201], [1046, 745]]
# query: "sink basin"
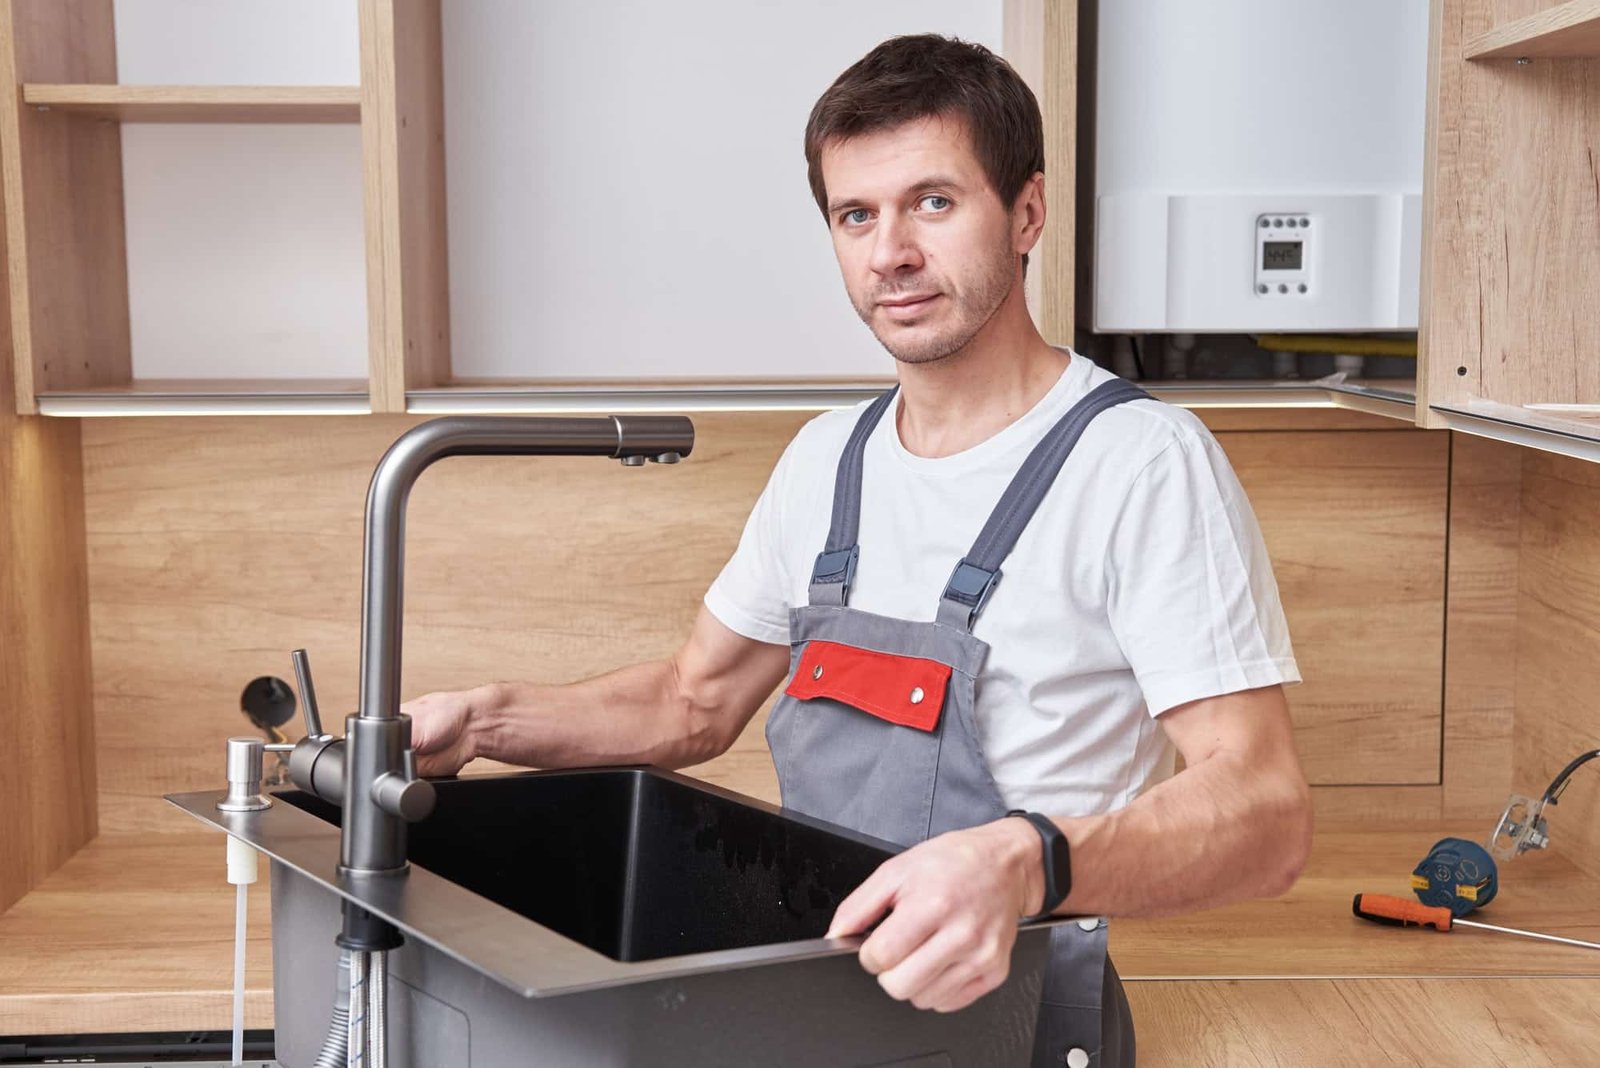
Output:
[[634, 864], [617, 916]]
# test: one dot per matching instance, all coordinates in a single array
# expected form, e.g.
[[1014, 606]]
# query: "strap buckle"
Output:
[[837, 566], [972, 586]]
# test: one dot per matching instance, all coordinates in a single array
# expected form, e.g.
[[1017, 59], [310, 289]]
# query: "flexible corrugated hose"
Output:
[[336, 1047]]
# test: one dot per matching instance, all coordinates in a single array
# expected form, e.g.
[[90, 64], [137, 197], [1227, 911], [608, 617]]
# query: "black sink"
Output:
[[610, 918], [634, 864]]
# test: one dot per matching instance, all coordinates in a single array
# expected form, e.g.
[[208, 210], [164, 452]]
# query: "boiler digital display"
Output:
[[1281, 255]]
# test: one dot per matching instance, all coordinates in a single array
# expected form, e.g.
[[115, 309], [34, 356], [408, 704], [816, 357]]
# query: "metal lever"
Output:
[[307, 767], [402, 793], [399, 793], [308, 694]]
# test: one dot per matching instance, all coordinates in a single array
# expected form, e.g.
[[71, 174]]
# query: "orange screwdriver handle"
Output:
[[1400, 912]]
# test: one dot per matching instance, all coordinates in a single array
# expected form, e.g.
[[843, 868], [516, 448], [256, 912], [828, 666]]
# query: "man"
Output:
[[928, 702]]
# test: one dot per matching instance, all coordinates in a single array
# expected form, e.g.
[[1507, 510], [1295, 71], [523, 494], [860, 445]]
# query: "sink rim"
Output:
[[515, 951]]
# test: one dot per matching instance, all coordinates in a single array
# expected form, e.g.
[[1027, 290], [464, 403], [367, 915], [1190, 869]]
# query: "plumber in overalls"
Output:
[[998, 598]]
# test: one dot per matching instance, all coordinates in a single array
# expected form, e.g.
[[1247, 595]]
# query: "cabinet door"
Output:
[[1355, 522]]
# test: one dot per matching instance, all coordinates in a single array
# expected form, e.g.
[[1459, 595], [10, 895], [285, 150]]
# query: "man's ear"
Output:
[[1028, 214]]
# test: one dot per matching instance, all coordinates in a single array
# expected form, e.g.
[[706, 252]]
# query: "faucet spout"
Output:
[[378, 739], [617, 437]]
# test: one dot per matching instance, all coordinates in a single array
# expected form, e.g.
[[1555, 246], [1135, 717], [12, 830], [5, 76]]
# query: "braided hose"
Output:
[[378, 1010], [356, 1031]]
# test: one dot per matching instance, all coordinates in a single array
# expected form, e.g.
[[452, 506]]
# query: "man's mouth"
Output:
[[906, 306]]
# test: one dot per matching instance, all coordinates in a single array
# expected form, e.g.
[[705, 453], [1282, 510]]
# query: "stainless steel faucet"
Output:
[[371, 772]]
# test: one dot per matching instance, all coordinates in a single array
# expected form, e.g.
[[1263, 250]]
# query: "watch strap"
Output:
[[1054, 843]]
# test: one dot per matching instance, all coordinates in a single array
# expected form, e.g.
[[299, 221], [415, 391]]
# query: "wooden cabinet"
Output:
[[1363, 592], [1512, 221], [47, 788], [586, 278], [61, 141]]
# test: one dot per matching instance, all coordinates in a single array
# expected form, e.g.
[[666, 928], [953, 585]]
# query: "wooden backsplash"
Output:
[[218, 545], [1558, 646]]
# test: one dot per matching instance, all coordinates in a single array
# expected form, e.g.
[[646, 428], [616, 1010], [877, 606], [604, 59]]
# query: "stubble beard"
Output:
[[971, 313]]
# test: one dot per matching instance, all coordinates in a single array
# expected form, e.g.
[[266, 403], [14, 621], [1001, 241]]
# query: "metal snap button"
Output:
[[916, 696], [1077, 1057], [816, 672], [1089, 923]]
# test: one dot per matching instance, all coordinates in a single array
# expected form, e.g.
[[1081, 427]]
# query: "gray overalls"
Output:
[[875, 730]]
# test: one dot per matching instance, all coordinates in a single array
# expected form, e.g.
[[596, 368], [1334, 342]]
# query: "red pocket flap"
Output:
[[905, 690]]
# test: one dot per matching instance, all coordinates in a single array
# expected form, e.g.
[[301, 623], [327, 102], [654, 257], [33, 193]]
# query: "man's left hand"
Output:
[[953, 903]]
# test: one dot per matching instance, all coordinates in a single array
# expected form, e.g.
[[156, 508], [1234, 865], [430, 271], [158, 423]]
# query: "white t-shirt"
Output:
[[1141, 583]]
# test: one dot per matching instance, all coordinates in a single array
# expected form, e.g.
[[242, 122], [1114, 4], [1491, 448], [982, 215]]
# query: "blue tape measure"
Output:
[[1456, 874]]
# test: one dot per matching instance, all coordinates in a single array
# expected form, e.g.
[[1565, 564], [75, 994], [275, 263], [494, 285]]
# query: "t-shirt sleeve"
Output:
[[1192, 598], [750, 596]]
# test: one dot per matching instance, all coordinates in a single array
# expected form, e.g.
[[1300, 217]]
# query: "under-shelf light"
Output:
[[81, 405]]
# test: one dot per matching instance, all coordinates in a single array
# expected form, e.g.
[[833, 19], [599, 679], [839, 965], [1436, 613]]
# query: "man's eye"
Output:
[[856, 217], [936, 202]]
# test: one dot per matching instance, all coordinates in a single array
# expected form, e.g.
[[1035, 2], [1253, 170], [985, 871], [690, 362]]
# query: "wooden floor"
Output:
[[135, 933]]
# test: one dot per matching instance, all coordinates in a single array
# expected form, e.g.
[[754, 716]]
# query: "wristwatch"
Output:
[[1057, 860]]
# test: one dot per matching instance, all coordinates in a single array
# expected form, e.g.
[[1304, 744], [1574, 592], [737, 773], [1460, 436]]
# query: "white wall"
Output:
[[245, 250], [237, 42], [627, 190]]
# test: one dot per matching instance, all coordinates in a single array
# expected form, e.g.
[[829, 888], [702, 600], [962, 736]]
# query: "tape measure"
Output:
[[1456, 874]]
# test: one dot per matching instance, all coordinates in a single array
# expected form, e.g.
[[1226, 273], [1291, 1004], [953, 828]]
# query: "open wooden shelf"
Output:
[[202, 103], [1569, 30]]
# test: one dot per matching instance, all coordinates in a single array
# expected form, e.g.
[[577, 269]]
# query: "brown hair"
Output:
[[909, 78]]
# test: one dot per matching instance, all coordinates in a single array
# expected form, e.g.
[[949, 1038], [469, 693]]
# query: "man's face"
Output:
[[924, 243]]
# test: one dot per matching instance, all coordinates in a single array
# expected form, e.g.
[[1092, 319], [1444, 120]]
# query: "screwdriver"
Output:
[[1400, 912]]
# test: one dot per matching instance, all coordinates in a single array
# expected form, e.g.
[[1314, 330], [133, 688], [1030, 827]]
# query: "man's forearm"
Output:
[[1215, 833], [636, 715]]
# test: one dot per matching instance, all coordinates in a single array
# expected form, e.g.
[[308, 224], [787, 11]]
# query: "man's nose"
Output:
[[894, 246]]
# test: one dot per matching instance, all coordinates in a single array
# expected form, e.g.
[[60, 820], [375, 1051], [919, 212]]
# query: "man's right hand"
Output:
[[442, 731]]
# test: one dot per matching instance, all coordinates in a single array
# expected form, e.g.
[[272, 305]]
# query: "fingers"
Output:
[[949, 929], [439, 765], [960, 962], [438, 733], [426, 737], [975, 988], [867, 904], [899, 938], [915, 969]]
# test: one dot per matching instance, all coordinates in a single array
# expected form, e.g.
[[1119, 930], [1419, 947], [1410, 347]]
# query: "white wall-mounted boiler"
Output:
[[1258, 165]]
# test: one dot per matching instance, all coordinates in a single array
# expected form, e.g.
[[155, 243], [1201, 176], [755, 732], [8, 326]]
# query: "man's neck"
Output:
[[950, 405]]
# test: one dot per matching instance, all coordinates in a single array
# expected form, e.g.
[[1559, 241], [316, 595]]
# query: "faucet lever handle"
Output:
[[308, 693], [402, 794]]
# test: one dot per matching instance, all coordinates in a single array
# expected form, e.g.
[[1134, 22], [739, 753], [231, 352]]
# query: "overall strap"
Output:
[[836, 564], [975, 577]]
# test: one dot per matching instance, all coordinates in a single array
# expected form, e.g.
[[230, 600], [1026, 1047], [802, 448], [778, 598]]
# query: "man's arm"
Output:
[[1235, 823], [672, 713]]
